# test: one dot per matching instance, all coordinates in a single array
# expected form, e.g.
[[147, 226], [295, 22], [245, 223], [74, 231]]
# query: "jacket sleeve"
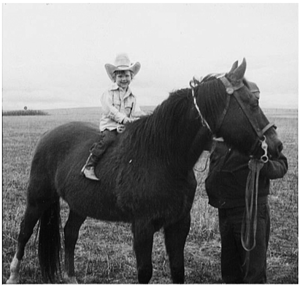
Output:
[[109, 110], [275, 168]]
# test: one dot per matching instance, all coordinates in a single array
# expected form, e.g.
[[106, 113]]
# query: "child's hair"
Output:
[[121, 72]]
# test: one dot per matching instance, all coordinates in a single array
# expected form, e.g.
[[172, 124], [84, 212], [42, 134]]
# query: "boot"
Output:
[[88, 169]]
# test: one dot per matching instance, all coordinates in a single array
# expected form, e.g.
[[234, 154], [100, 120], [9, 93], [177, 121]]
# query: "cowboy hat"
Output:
[[122, 63]]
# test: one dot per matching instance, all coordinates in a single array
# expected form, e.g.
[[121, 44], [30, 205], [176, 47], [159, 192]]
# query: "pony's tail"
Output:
[[49, 243]]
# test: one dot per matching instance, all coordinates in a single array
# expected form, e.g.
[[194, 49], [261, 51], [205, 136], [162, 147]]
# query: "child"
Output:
[[118, 106], [225, 186]]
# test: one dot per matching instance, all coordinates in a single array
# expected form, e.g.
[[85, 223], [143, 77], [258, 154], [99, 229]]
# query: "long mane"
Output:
[[211, 98], [158, 134]]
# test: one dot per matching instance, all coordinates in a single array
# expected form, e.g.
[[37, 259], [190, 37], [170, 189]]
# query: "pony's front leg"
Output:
[[71, 232], [142, 245], [175, 237]]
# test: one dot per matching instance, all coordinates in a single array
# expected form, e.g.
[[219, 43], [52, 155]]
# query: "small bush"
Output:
[[23, 112]]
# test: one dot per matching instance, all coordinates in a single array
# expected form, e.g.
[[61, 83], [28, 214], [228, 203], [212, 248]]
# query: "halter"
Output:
[[232, 91]]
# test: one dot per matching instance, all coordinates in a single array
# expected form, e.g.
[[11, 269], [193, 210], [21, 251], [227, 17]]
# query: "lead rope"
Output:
[[249, 224]]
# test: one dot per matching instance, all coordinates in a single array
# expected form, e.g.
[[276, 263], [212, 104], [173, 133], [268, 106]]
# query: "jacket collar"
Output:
[[115, 87]]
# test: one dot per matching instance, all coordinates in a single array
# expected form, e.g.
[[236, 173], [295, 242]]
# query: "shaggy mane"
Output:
[[165, 124]]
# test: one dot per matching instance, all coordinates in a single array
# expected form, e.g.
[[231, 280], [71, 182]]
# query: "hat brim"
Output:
[[110, 69]]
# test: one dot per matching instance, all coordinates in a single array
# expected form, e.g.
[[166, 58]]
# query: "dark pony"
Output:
[[146, 176]]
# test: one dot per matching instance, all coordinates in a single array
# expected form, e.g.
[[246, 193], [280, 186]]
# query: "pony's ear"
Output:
[[236, 75], [234, 66]]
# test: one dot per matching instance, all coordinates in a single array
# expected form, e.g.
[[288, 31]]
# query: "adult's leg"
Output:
[[257, 272], [253, 263], [231, 260]]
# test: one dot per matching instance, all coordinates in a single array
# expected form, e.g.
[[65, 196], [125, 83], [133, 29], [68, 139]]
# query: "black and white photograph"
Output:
[[150, 143]]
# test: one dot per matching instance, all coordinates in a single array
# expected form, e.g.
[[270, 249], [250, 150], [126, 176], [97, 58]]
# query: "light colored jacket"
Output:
[[116, 105]]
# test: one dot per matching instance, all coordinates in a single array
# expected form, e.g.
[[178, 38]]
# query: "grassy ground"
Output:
[[104, 250]]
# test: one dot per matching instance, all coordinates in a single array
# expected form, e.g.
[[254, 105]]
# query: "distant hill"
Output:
[[277, 112], [97, 110], [84, 110]]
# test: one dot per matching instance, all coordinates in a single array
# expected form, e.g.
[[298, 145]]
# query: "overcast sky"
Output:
[[54, 54]]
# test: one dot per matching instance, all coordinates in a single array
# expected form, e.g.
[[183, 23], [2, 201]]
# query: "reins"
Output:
[[251, 196], [249, 223], [193, 84]]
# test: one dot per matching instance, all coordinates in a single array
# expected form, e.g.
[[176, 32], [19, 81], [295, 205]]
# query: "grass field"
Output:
[[104, 250]]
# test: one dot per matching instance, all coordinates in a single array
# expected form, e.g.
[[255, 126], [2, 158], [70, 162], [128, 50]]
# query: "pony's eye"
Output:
[[255, 103]]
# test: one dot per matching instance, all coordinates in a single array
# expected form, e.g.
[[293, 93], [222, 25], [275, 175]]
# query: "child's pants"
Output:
[[107, 138], [232, 252]]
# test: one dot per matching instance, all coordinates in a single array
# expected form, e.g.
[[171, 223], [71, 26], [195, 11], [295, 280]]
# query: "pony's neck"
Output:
[[169, 133], [202, 142]]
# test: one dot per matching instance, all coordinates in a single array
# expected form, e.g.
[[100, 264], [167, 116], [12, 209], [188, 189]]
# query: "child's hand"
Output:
[[126, 120]]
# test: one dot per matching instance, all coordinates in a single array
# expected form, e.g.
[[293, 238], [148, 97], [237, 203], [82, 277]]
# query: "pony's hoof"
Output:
[[13, 280], [70, 279], [14, 271]]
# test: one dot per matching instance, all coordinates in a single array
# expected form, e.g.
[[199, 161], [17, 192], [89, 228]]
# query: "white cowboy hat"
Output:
[[122, 63]]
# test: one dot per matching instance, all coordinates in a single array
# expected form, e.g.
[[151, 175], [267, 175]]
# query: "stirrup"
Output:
[[89, 173], [86, 163]]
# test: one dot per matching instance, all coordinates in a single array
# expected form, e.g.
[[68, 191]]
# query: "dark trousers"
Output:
[[106, 139], [232, 253]]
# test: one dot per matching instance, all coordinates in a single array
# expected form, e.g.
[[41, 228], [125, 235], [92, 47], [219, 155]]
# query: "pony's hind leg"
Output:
[[32, 215], [142, 244], [175, 237], [71, 231]]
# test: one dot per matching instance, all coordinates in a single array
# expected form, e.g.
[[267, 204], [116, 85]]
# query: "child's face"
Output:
[[123, 79]]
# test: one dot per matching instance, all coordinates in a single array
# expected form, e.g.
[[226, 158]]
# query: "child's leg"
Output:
[[107, 138], [96, 151]]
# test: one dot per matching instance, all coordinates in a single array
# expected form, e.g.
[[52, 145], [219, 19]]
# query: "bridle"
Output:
[[233, 91]]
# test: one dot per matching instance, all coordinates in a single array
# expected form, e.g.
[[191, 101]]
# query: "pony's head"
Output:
[[229, 106]]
